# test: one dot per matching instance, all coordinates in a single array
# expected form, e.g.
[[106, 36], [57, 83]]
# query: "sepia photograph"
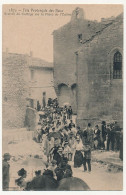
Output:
[[62, 97]]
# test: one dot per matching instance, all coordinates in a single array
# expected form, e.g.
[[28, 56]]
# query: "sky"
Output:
[[24, 33]]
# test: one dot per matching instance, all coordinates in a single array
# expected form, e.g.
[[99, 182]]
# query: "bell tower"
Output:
[[78, 13]]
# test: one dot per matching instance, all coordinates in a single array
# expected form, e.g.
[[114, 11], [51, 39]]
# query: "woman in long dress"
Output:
[[78, 158]]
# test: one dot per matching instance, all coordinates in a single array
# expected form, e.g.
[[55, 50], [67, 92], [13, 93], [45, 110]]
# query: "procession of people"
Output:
[[64, 144]]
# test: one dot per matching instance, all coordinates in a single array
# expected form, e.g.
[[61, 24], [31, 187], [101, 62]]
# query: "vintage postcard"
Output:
[[62, 97]]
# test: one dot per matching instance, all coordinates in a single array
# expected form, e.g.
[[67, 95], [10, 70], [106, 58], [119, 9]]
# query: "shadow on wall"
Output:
[[64, 94]]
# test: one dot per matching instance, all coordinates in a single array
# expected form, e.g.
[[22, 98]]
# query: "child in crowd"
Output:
[[21, 180]]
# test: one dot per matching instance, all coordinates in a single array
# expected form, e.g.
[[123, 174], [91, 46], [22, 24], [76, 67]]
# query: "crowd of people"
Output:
[[62, 141], [59, 119]]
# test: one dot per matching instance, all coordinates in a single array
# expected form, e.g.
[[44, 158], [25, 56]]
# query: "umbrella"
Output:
[[54, 134], [33, 162], [72, 184]]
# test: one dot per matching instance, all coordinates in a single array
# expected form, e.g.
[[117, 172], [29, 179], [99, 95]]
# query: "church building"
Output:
[[88, 67]]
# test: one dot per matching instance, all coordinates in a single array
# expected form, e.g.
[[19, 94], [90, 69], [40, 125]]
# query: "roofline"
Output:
[[97, 33], [60, 27], [41, 67], [85, 20]]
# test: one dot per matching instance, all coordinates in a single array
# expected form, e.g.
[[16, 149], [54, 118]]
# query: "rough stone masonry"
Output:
[[87, 54]]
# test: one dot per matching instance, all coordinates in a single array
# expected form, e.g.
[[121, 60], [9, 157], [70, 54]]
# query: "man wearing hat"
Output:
[[103, 133], [87, 156], [108, 136], [5, 168], [90, 135]]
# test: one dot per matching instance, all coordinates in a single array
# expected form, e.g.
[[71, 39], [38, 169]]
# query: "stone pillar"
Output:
[[82, 90]]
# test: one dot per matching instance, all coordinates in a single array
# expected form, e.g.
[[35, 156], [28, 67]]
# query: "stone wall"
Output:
[[99, 95], [18, 87], [14, 90], [31, 119], [66, 42]]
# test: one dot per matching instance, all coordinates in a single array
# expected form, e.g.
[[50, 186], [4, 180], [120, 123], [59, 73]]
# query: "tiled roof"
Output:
[[32, 62], [37, 62]]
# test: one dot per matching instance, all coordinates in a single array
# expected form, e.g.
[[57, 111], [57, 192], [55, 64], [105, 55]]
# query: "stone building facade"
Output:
[[67, 40], [24, 79], [14, 89], [40, 81], [100, 75], [83, 60]]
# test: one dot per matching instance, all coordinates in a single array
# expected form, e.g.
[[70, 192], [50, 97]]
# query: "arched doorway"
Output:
[[74, 98], [64, 94]]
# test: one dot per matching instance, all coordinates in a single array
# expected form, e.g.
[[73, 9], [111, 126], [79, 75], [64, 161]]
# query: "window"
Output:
[[117, 65], [32, 74], [44, 93], [80, 38]]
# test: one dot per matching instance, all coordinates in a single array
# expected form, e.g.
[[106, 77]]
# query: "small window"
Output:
[[80, 38], [117, 66], [32, 74], [44, 93]]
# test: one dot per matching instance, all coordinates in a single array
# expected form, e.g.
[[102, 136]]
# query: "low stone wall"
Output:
[[31, 119]]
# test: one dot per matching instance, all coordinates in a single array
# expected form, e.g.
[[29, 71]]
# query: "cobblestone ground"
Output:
[[23, 153]]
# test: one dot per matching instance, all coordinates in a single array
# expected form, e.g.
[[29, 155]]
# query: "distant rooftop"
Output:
[[37, 62], [105, 24], [33, 61]]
